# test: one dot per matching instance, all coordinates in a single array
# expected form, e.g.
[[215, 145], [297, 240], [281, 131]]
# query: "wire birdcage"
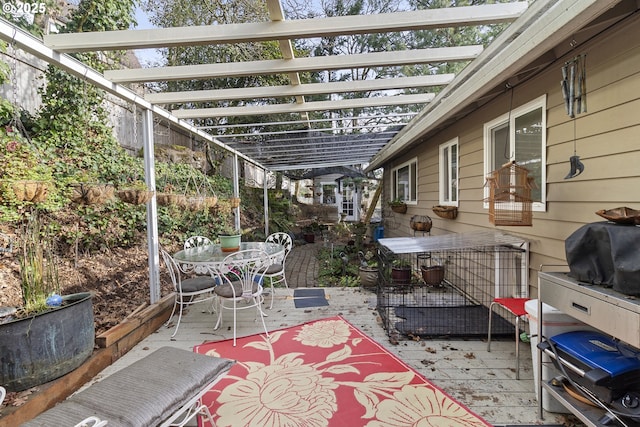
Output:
[[510, 200]]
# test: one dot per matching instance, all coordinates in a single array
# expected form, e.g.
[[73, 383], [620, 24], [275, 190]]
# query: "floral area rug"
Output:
[[325, 373]]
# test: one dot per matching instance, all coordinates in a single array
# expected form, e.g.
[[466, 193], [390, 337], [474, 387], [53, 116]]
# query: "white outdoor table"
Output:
[[208, 259]]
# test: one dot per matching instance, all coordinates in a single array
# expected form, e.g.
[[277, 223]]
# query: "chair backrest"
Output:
[[173, 269], [196, 241], [283, 239], [247, 267]]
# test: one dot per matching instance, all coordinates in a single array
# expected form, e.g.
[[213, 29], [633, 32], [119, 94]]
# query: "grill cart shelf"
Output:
[[609, 311]]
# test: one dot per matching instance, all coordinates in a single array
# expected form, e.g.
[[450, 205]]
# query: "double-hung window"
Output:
[[405, 181], [449, 173], [520, 136]]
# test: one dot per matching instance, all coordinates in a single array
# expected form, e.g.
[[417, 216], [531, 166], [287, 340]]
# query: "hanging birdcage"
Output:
[[510, 200]]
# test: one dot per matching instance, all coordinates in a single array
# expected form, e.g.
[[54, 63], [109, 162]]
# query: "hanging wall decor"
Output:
[[574, 92]]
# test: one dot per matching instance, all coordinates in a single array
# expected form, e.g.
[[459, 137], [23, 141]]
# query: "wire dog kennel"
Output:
[[450, 283]]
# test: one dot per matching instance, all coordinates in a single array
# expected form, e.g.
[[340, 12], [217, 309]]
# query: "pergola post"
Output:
[[236, 191], [265, 186], [152, 207]]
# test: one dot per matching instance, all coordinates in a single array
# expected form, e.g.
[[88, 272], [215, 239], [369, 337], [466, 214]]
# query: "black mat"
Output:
[[463, 321], [305, 298]]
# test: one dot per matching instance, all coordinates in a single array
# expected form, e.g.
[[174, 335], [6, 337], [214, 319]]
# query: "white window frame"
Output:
[[446, 184], [412, 186], [541, 102]]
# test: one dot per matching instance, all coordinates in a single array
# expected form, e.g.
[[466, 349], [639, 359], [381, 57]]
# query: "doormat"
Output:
[[306, 298], [324, 373], [462, 321]]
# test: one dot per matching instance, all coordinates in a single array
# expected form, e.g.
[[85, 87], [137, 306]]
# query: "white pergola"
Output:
[[525, 43], [308, 149]]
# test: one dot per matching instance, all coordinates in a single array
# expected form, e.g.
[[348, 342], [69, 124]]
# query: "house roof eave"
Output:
[[544, 25]]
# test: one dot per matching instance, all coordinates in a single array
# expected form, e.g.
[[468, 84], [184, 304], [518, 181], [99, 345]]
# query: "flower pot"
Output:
[[401, 275], [230, 243], [45, 346], [368, 277], [309, 237], [433, 275]]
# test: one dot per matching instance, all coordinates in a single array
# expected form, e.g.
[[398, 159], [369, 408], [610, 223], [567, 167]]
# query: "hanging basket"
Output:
[[399, 208], [211, 201], [134, 196], [447, 212], [91, 194], [172, 199], [30, 191], [234, 202], [420, 223]]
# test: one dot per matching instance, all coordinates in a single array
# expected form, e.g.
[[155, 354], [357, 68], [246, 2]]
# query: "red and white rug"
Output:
[[325, 373]]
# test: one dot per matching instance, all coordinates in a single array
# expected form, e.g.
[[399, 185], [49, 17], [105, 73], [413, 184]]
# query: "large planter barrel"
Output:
[[40, 348]]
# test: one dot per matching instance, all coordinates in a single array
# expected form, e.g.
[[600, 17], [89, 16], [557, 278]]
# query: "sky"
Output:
[[145, 56]]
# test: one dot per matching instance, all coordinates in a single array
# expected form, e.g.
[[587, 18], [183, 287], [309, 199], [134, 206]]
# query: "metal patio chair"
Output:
[[241, 275], [275, 272], [197, 241], [188, 291]]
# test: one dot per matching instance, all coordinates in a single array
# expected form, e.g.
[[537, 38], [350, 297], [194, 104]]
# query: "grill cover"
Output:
[[604, 253]]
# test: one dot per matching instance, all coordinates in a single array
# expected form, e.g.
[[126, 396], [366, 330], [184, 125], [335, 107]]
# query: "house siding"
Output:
[[606, 138]]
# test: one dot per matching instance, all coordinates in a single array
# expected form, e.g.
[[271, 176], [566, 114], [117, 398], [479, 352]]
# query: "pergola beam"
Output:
[[286, 66], [299, 90], [286, 30], [258, 110]]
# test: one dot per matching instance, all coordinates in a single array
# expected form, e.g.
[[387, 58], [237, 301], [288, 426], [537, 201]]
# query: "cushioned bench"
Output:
[[157, 390]]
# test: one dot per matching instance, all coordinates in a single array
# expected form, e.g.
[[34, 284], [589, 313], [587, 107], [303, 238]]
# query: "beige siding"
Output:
[[607, 141]]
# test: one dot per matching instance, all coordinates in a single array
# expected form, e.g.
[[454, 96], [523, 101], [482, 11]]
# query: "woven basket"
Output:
[[91, 194], [167, 199], [30, 191], [399, 208], [448, 212], [134, 196]]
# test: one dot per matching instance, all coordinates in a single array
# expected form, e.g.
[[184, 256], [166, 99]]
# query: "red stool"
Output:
[[514, 306]]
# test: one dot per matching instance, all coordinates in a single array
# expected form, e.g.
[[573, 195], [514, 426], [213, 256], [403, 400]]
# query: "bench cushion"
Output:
[[144, 393]]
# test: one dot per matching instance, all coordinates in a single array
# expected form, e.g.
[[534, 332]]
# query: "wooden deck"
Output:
[[484, 382]]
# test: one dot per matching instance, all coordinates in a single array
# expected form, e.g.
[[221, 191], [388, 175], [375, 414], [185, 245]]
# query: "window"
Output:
[[405, 181], [449, 173], [520, 135]]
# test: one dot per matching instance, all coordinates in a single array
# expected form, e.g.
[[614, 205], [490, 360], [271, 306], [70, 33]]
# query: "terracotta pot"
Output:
[[433, 275], [401, 275]]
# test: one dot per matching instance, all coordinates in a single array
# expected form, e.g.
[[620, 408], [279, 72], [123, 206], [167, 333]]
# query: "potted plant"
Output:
[[50, 335], [398, 206], [400, 271], [368, 269], [309, 232], [229, 238]]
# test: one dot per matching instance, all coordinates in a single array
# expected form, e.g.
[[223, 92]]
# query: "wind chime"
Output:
[[574, 92]]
